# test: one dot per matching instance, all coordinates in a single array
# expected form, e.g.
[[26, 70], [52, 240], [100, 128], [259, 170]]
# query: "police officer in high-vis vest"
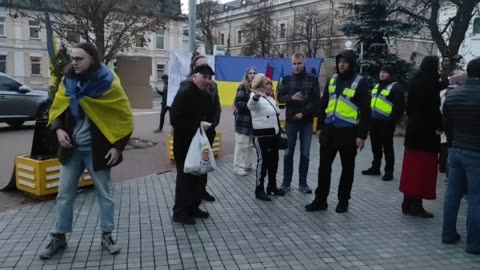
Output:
[[388, 106], [343, 119]]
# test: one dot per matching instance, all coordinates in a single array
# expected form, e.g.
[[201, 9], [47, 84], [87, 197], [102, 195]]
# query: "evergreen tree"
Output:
[[56, 70], [369, 22]]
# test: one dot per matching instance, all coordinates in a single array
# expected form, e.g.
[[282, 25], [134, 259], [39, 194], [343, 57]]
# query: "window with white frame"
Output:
[[161, 40], [2, 26], [476, 26], [3, 63], [283, 30], [239, 37], [36, 66], [139, 40], [160, 71], [221, 38], [34, 29]]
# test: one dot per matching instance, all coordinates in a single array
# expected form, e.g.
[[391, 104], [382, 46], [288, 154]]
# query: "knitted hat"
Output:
[[388, 69], [257, 80]]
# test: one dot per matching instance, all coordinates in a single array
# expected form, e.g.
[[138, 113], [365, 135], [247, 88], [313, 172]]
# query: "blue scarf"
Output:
[[93, 88]]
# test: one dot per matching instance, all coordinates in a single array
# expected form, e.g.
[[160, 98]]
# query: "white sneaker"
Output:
[[240, 172]]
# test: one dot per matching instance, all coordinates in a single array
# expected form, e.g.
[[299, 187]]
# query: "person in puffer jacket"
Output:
[[266, 132]]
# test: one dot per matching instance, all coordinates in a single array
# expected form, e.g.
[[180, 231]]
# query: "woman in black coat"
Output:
[[422, 138]]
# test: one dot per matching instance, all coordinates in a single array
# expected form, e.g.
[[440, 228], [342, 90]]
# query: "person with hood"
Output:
[[93, 121], [192, 105], [266, 130], [301, 92], [201, 60], [244, 153], [388, 106], [344, 119], [418, 180]]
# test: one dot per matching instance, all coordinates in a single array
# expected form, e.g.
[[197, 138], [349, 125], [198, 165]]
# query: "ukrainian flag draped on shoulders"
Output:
[[101, 98]]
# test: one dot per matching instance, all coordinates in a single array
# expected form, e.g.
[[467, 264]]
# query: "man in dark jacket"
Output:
[[343, 120], [192, 105], [165, 108], [388, 106], [201, 60], [461, 112], [301, 92]]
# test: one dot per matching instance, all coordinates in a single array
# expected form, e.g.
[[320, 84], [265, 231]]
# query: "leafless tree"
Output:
[[259, 32], [448, 34], [206, 15], [111, 24], [311, 31]]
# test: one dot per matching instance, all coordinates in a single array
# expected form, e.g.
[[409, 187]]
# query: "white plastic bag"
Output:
[[200, 159]]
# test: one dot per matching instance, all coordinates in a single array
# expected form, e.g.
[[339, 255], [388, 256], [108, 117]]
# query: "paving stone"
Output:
[[243, 233]]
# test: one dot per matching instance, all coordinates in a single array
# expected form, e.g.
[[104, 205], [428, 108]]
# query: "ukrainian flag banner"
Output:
[[229, 72]]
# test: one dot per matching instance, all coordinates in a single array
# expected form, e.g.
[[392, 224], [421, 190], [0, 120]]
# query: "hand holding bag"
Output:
[[200, 159]]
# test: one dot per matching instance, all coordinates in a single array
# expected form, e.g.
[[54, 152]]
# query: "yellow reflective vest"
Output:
[[381, 106], [341, 111]]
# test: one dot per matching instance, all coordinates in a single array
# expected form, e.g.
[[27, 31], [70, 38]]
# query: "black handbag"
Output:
[[282, 135]]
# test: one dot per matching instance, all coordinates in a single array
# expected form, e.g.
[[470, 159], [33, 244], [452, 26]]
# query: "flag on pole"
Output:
[[269, 74]]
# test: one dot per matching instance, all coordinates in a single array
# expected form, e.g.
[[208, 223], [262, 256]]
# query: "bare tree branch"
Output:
[[112, 25]]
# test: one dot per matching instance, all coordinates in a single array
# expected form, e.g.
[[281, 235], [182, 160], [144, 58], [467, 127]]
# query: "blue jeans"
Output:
[[71, 172], [306, 132], [463, 179]]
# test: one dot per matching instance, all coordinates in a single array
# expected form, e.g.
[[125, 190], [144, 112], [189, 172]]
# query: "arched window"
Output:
[[476, 26]]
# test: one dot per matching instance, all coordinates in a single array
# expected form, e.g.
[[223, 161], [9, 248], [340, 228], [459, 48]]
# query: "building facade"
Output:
[[288, 17], [23, 49]]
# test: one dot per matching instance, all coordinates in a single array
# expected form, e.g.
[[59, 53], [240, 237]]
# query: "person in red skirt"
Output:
[[422, 139]]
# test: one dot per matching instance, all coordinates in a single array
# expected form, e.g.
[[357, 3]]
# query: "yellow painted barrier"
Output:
[[216, 147], [42, 177]]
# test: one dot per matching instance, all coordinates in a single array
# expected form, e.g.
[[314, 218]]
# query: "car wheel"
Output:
[[15, 124], [43, 112]]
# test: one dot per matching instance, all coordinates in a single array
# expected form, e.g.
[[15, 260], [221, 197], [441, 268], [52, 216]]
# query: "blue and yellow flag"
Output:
[[229, 72]]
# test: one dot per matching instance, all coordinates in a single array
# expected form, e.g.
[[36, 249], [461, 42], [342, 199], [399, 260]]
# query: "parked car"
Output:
[[20, 103]]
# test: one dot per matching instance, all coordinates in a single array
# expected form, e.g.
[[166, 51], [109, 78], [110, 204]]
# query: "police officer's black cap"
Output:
[[204, 69]]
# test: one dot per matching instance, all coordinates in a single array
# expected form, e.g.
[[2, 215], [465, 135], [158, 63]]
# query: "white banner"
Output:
[[178, 70]]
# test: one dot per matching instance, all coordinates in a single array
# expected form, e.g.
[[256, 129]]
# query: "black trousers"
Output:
[[189, 189], [381, 136], [328, 150], [188, 192], [443, 159], [164, 111], [267, 160]]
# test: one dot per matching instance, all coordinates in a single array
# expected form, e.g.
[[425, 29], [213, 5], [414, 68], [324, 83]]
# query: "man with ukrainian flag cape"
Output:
[[92, 119]]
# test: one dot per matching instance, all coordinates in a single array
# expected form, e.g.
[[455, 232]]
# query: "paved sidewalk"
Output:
[[243, 233]]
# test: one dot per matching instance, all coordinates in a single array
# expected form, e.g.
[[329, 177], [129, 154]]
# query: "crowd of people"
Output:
[[92, 119]]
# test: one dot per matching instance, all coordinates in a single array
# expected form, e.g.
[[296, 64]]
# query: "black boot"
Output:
[[272, 189], [260, 193], [371, 171], [421, 211], [342, 207], [316, 205], [388, 176], [407, 206]]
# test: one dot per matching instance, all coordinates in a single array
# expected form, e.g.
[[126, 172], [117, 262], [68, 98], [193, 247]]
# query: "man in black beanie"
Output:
[[388, 106]]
